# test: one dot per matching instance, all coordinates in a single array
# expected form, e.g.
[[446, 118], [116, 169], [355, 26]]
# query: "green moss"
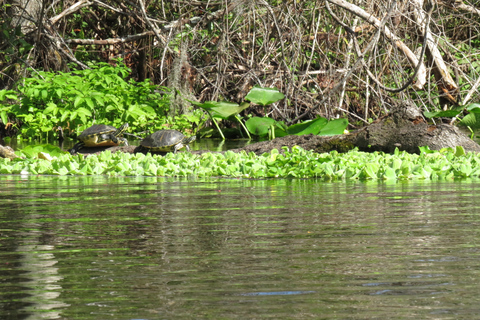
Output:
[[337, 144]]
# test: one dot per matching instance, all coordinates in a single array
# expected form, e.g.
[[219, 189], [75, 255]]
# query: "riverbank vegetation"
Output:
[[330, 59]]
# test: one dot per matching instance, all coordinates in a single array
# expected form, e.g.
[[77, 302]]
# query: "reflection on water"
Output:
[[158, 248]]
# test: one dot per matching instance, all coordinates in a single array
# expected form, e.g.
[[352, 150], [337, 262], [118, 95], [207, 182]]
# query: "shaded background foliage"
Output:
[[218, 50]]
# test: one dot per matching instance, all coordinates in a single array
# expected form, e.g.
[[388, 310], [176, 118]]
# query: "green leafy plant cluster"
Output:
[[296, 163], [266, 126], [76, 100]]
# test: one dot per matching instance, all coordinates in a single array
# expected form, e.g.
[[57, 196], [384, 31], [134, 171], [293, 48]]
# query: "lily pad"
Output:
[[308, 127], [221, 109], [264, 96], [259, 126], [33, 151], [334, 127]]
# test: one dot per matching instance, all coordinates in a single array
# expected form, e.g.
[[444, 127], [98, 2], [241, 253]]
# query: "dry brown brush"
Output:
[[330, 58]]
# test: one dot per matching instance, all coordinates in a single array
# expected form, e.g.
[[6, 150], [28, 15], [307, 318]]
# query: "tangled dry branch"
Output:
[[214, 50]]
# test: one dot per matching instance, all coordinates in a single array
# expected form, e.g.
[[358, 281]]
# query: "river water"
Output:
[[162, 248]]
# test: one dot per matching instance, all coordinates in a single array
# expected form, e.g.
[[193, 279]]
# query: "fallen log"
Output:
[[403, 128]]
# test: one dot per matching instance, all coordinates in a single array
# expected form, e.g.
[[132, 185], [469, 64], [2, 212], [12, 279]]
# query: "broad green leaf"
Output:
[[371, 170], [281, 129], [334, 127], [264, 96], [12, 96], [390, 174], [459, 151], [281, 125], [259, 126], [9, 94], [471, 120], [51, 109], [221, 109], [426, 149], [65, 115], [136, 110], [90, 103], [73, 115], [396, 164], [4, 117], [78, 100], [99, 98], [447, 114], [33, 150], [308, 127], [473, 107], [84, 111], [279, 132], [149, 110], [83, 114]]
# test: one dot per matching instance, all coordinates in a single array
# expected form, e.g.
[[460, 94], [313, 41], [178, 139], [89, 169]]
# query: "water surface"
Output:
[[160, 248]]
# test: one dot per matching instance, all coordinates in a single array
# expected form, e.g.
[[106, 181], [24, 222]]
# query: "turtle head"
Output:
[[122, 129], [190, 139]]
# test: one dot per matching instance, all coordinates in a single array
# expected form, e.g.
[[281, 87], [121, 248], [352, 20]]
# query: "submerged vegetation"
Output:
[[297, 163]]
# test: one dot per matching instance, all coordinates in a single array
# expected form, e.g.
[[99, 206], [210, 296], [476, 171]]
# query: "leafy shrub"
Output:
[[76, 100]]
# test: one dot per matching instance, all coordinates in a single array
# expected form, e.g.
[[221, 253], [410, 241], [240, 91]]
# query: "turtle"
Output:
[[166, 141], [100, 135]]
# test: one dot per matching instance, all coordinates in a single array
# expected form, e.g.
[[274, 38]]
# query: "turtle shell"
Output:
[[100, 135], [97, 135], [166, 141]]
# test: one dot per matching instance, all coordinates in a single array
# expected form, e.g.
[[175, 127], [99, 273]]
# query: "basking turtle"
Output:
[[165, 141], [100, 135], [7, 152]]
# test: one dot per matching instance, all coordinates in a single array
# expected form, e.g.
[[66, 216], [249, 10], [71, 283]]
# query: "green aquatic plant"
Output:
[[264, 96], [263, 126], [223, 110], [33, 151], [294, 163], [266, 126]]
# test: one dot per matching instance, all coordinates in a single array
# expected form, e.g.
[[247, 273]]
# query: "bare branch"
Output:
[[77, 6], [444, 79], [386, 31]]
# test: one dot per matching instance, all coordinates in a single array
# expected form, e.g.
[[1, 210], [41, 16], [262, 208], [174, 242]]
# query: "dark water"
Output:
[[157, 248]]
